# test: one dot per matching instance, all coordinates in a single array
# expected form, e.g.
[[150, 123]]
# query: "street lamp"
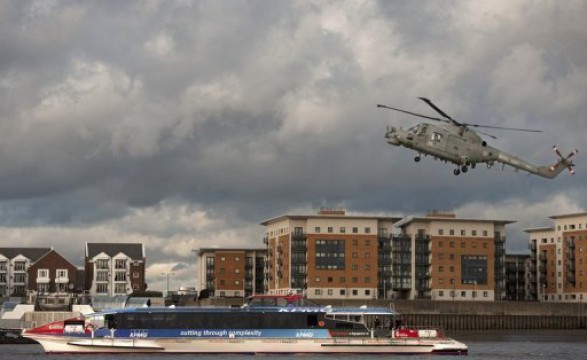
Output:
[[167, 275]]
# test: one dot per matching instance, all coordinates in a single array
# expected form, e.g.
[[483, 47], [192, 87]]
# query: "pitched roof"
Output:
[[30, 253], [132, 250]]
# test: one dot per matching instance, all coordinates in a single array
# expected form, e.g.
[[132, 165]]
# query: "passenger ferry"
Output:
[[266, 324]]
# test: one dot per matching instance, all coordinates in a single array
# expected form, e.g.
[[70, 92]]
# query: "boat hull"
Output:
[[61, 344]]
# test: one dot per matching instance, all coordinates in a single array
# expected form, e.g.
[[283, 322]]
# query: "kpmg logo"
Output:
[[139, 334]]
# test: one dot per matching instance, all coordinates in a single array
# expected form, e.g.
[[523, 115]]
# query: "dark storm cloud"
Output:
[[185, 124]]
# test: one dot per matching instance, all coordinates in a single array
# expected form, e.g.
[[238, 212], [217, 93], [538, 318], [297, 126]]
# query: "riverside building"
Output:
[[329, 255], [232, 272], [558, 255], [442, 257]]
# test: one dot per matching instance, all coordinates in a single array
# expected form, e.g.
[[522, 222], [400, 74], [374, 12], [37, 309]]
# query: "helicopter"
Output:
[[458, 143]]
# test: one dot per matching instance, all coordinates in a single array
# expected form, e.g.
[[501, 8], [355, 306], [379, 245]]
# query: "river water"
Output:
[[483, 345]]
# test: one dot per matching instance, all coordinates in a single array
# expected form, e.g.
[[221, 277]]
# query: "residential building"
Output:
[[114, 268], [559, 259], [329, 255], [53, 273], [232, 272], [14, 265], [442, 257]]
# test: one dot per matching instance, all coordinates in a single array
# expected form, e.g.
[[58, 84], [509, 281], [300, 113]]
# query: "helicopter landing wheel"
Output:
[[457, 171], [464, 168], [417, 159]]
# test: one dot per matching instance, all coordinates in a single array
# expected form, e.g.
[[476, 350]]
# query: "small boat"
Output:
[[266, 324]]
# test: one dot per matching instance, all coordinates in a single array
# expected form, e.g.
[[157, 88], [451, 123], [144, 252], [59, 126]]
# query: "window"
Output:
[[2, 265], [367, 280], [330, 292], [342, 230], [135, 275], [367, 292], [440, 244], [463, 233], [330, 230], [120, 276], [367, 255], [484, 232], [440, 232], [102, 288], [102, 276], [329, 279], [222, 282], [441, 293], [451, 232], [367, 267], [355, 292], [330, 255], [237, 271], [367, 230], [61, 273], [222, 258], [120, 264], [342, 292], [237, 282], [355, 267], [317, 229], [355, 280], [102, 264], [355, 255], [120, 288], [43, 288], [318, 292], [43, 273], [473, 232], [355, 230], [237, 259], [317, 279], [20, 278], [342, 279], [19, 266]]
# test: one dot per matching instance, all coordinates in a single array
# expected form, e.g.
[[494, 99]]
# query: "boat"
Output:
[[265, 324]]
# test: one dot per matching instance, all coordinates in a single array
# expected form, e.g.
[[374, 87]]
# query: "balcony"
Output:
[[299, 247], [382, 261], [298, 235], [384, 273]]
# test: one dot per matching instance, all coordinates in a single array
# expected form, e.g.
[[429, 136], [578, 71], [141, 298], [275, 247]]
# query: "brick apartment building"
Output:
[[558, 255], [442, 257], [329, 254], [232, 272]]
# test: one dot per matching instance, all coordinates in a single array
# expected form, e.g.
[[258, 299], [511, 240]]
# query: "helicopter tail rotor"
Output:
[[566, 161]]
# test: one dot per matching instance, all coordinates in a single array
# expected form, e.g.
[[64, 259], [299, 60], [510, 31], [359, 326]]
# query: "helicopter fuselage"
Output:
[[446, 142]]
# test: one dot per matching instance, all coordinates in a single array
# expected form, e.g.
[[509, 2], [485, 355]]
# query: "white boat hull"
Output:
[[62, 344]]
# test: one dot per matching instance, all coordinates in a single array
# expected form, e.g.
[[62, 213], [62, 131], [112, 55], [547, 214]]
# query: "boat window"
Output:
[[312, 320]]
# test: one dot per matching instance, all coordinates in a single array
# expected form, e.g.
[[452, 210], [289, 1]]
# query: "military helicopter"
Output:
[[457, 143]]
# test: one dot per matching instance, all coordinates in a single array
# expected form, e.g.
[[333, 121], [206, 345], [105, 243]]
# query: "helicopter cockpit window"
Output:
[[436, 137]]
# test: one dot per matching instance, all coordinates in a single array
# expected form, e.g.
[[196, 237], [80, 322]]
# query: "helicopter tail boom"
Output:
[[548, 171]]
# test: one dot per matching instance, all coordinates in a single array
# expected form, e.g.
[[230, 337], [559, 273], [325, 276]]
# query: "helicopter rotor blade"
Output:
[[502, 128], [411, 113], [486, 134], [431, 104]]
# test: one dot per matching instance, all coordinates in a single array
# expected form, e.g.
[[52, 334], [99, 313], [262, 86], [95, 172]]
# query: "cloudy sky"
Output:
[[184, 124]]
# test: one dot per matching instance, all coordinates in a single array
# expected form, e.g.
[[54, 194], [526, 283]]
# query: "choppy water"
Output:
[[483, 345]]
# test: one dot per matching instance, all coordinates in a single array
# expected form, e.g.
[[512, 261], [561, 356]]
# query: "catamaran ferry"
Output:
[[266, 324]]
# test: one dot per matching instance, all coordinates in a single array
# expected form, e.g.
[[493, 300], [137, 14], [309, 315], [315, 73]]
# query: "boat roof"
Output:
[[260, 309]]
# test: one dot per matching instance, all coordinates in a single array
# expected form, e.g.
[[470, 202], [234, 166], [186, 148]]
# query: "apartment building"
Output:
[[559, 259], [14, 265], [52, 273], [232, 272], [442, 257], [114, 268], [329, 254]]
